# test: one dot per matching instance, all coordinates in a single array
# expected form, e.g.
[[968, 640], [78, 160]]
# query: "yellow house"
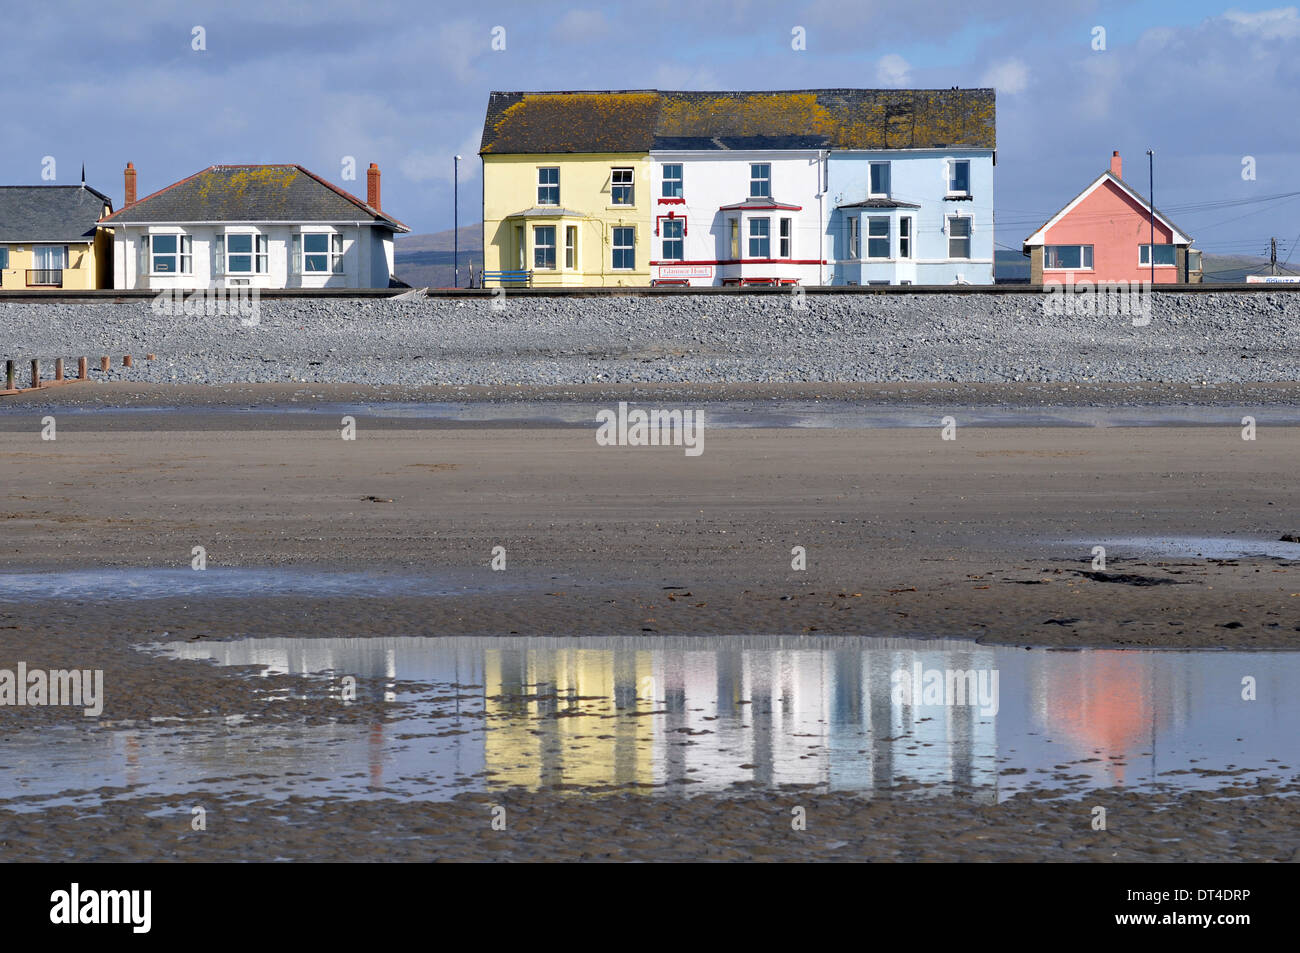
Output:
[[49, 238], [566, 188]]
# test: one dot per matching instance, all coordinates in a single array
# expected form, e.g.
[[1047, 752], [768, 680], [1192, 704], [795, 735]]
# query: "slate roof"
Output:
[[761, 202], [252, 193], [641, 120], [50, 213]]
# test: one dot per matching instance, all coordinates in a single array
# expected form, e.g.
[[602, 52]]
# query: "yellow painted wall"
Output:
[[87, 268], [510, 186]]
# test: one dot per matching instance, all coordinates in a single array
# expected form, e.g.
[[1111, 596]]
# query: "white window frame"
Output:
[[184, 254], [969, 237], [871, 175], [855, 238], [951, 170], [765, 238], [615, 248], [1144, 256], [679, 179], [873, 238], [548, 185], [906, 236], [733, 237], [785, 238], [334, 252], [539, 245], [678, 225], [1085, 259], [571, 247], [755, 179], [259, 253], [622, 172]]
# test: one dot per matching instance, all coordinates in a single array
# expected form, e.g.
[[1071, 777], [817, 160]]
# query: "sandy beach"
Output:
[[988, 537]]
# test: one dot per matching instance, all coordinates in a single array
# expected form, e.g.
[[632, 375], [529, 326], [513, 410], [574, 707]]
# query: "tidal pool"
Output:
[[680, 716]]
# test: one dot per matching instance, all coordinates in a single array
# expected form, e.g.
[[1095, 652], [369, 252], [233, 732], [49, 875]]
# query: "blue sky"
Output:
[[405, 84]]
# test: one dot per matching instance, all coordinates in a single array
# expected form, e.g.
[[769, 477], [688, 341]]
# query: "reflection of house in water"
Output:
[[1111, 705], [569, 715]]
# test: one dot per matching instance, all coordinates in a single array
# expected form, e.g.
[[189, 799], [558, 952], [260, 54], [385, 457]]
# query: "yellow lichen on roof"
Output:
[[750, 114], [233, 185]]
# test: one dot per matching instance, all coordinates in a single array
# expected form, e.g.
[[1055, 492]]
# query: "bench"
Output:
[[519, 276]]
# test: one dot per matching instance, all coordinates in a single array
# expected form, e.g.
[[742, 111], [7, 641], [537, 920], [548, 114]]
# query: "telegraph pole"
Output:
[[1272, 256], [455, 224], [1151, 172]]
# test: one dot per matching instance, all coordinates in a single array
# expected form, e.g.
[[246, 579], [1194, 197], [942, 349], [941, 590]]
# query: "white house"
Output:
[[748, 216], [823, 186], [255, 226]]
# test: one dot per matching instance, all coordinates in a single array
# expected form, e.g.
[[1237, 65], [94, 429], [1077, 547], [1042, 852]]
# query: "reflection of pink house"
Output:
[[1104, 234]]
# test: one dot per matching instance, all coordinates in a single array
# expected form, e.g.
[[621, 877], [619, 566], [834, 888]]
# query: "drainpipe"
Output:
[[823, 174]]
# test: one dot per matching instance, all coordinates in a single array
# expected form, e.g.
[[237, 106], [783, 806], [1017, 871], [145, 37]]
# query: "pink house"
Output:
[[1104, 234]]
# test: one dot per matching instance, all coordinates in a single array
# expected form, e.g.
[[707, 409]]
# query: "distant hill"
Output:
[[427, 261]]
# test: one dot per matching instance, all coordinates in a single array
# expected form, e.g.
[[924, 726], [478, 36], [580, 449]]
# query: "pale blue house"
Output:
[[919, 213]]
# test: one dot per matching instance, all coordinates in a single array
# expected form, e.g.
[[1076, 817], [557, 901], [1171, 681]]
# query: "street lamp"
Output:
[[455, 224]]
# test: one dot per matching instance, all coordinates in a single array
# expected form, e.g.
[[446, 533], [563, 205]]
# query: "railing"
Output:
[[45, 278]]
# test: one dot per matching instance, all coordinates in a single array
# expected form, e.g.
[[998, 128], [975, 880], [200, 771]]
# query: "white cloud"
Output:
[[892, 70], [1280, 24], [1009, 76]]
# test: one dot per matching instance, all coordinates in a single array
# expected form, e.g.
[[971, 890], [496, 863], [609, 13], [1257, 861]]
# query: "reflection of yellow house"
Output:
[[49, 238], [554, 717], [566, 187]]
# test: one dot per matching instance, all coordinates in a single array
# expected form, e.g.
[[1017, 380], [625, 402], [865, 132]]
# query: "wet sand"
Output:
[[988, 537]]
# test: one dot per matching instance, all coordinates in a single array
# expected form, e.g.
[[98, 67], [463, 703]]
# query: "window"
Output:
[[520, 250], [760, 238], [570, 246], [785, 237], [624, 248], [620, 188], [672, 187], [905, 237], [959, 176], [854, 226], [318, 253], [879, 179], [548, 186], [672, 231], [1067, 256], [735, 238], [245, 253], [878, 236], [170, 254], [1164, 255], [760, 180], [958, 236], [4, 257], [544, 247]]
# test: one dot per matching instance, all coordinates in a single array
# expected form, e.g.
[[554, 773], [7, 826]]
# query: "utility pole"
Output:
[[1151, 172], [455, 225], [1272, 256]]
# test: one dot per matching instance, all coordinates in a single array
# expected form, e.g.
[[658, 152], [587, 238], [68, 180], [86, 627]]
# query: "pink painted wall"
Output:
[[1115, 225]]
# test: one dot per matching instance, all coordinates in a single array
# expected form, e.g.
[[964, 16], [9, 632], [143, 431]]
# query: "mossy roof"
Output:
[[641, 120]]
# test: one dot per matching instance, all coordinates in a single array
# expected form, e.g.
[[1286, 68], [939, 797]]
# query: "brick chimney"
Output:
[[372, 187], [1116, 165], [129, 193]]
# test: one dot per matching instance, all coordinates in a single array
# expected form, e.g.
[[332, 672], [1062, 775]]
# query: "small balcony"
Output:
[[44, 277]]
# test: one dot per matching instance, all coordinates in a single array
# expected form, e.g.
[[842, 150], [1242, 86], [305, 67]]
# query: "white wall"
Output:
[[711, 180], [367, 257]]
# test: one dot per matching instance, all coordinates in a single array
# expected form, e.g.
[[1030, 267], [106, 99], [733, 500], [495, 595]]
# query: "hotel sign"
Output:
[[685, 271]]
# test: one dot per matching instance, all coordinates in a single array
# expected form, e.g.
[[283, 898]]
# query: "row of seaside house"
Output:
[[623, 188]]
